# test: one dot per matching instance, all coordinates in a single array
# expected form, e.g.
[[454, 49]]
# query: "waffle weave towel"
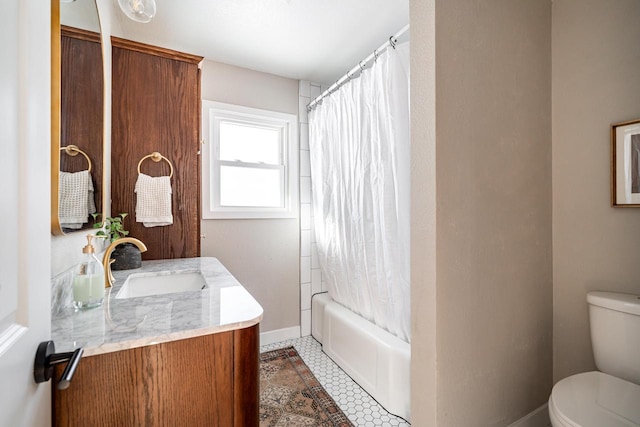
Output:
[[153, 207], [76, 199]]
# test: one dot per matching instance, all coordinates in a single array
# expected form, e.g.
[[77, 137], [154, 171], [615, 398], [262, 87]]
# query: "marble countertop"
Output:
[[121, 324]]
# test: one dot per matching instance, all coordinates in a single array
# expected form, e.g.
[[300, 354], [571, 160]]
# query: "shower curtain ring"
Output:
[[375, 56], [361, 66], [392, 42]]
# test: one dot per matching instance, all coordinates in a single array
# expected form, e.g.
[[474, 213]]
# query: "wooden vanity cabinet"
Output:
[[211, 380]]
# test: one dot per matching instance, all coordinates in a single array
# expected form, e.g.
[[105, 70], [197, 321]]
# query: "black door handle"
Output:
[[46, 358]]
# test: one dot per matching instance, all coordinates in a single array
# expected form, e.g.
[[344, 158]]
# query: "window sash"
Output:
[[281, 129], [241, 164], [217, 196]]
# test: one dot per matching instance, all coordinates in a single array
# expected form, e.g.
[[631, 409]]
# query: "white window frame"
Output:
[[215, 112]]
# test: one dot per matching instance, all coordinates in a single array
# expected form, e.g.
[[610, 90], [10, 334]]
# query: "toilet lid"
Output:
[[597, 399]]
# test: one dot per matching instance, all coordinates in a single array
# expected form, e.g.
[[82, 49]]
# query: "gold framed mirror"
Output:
[[77, 116]]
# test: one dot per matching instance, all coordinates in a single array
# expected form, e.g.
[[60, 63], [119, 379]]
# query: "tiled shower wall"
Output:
[[310, 277]]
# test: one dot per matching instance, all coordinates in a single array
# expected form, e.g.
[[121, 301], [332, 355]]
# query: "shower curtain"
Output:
[[359, 141]]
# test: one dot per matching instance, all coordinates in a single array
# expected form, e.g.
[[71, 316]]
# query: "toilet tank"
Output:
[[615, 333]]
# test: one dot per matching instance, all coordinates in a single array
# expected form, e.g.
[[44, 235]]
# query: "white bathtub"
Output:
[[374, 358]]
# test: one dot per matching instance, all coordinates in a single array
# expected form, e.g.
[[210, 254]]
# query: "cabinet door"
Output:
[[156, 107], [187, 382]]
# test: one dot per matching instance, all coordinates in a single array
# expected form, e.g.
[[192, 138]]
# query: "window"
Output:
[[249, 162]]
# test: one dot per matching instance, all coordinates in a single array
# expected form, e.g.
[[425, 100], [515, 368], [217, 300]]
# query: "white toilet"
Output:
[[609, 397]]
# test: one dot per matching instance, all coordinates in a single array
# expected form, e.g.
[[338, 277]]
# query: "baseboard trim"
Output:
[[537, 418], [271, 337]]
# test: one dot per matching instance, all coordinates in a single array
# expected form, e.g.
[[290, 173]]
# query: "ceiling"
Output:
[[316, 40]]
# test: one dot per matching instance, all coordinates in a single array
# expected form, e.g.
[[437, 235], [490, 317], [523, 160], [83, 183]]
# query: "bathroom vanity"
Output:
[[188, 357]]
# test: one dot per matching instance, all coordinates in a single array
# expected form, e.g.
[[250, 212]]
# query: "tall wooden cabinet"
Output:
[[81, 104], [156, 106]]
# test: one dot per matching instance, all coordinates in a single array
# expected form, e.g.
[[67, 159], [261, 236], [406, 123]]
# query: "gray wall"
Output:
[[493, 263], [263, 254], [596, 82]]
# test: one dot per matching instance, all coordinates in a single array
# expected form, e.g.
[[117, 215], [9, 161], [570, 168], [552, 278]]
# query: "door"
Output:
[[25, 289]]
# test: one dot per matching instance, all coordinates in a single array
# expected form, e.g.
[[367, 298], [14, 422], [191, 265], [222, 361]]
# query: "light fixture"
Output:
[[138, 10]]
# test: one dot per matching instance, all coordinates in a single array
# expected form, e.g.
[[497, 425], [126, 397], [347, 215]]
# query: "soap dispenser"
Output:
[[88, 279]]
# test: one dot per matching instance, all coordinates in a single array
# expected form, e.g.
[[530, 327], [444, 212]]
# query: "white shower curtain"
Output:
[[359, 141]]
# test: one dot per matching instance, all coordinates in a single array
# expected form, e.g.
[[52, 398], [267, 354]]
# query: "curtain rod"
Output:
[[360, 67]]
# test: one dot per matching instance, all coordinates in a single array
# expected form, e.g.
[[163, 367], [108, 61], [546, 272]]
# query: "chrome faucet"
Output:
[[106, 261]]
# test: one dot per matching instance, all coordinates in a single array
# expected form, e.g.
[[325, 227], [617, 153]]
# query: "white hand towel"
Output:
[[76, 199], [153, 207]]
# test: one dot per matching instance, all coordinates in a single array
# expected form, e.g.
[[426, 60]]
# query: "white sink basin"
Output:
[[145, 284]]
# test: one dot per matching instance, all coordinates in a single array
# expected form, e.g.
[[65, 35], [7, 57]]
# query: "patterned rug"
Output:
[[291, 396]]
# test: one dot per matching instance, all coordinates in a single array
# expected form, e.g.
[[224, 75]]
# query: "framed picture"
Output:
[[625, 164]]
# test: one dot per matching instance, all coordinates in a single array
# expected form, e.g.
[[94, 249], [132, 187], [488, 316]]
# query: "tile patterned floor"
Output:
[[356, 403]]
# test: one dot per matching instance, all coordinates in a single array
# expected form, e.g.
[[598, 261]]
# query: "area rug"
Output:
[[291, 396]]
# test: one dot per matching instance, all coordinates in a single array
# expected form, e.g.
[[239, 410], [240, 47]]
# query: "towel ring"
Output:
[[156, 157], [73, 150]]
